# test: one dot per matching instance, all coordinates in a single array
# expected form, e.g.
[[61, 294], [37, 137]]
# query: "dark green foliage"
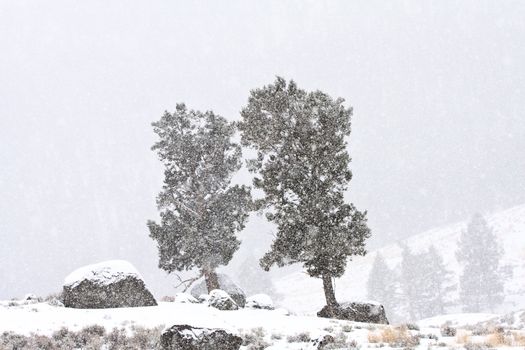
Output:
[[302, 166], [199, 209], [481, 283]]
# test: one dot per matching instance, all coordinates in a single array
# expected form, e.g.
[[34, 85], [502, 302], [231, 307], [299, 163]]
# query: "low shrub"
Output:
[[448, 331], [92, 337], [303, 337], [346, 328], [254, 339], [412, 326]]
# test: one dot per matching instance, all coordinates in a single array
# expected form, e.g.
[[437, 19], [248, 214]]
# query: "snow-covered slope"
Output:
[[303, 294]]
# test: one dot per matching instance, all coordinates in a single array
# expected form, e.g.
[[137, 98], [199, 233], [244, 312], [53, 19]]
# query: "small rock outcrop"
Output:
[[184, 337], [368, 312], [219, 299], [109, 284], [226, 284], [260, 301]]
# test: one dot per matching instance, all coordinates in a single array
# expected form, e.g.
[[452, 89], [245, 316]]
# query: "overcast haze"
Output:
[[437, 89]]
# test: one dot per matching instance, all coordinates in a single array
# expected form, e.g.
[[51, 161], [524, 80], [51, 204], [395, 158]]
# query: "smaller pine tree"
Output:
[[481, 283], [382, 286], [425, 283], [410, 280], [433, 284]]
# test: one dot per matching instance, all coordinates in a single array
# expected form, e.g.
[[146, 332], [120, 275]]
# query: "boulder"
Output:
[[260, 301], [369, 312], [203, 298], [30, 297], [184, 337], [225, 284], [109, 284], [184, 298], [219, 299], [322, 341]]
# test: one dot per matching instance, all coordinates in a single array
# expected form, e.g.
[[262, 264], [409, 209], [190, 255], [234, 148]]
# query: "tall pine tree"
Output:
[[200, 211], [481, 283], [302, 167]]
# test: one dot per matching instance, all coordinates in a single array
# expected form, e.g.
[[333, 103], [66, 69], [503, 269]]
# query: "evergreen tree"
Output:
[[302, 168], [425, 283], [410, 282], [481, 284], [200, 211], [382, 286], [438, 283]]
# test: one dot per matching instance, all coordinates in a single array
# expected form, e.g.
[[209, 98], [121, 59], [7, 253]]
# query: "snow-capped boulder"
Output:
[[184, 298], [226, 284], [260, 301], [219, 299], [369, 312], [109, 284], [184, 337]]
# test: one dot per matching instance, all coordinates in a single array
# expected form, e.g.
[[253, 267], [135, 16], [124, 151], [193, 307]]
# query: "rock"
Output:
[[30, 297], [260, 301], [219, 299], [203, 298], [184, 337], [109, 284], [184, 298], [55, 302], [226, 284], [322, 341], [368, 312]]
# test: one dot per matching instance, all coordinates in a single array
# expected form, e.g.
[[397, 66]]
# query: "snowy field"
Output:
[[274, 329]]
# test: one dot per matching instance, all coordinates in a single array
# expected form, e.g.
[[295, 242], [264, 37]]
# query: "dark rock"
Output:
[[111, 284], [184, 337], [321, 342], [219, 299], [226, 284], [356, 311]]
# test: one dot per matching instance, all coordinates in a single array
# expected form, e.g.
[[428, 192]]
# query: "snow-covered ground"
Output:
[[279, 330], [304, 295]]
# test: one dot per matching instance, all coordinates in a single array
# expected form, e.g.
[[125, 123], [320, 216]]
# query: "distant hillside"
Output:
[[304, 295]]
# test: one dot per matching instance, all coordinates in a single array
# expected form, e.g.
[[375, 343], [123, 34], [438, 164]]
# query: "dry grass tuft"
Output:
[[394, 337], [462, 337]]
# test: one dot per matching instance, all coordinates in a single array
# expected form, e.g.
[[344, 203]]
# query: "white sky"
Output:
[[437, 87]]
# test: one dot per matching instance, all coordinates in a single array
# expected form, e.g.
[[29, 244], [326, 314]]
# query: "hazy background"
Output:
[[438, 90]]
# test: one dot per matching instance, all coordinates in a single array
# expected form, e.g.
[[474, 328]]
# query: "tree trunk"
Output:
[[212, 281], [329, 293]]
